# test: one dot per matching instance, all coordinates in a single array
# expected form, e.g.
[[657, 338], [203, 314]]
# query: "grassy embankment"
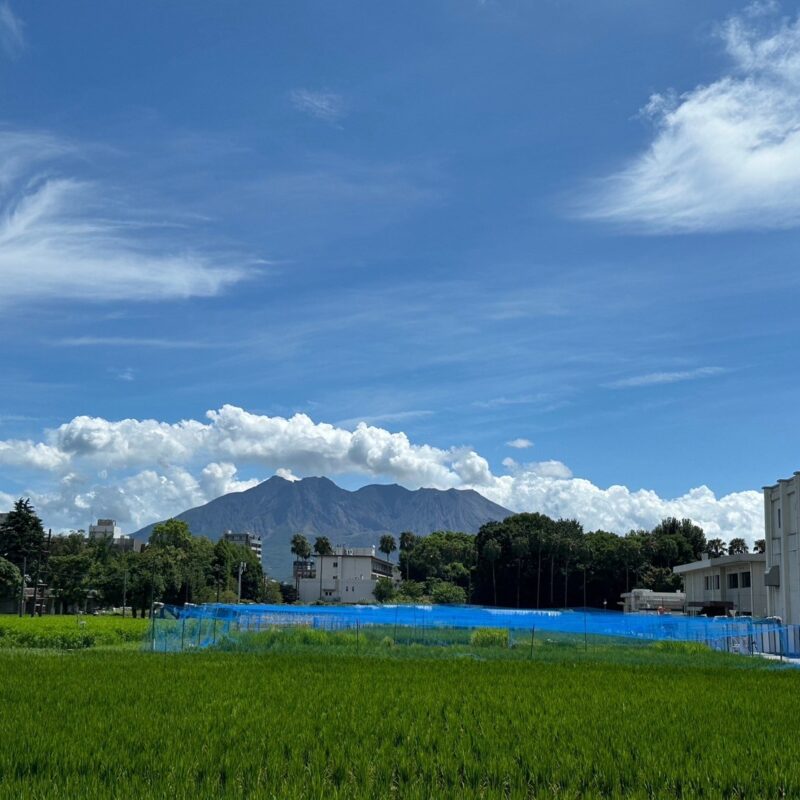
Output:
[[316, 719]]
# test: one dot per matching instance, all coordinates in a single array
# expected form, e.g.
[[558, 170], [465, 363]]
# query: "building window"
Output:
[[779, 518], [733, 580], [707, 582], [745, 580], [716, 581], [335, 563]]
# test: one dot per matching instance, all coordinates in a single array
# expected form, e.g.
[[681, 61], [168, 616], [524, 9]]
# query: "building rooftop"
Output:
[[721, 561]]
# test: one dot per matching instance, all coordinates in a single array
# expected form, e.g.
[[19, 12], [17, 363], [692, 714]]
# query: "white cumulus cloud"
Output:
[[520, 444], [725, 155], [139, 471]]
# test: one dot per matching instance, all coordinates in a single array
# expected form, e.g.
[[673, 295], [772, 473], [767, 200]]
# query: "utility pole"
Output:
[[124, 589], [22, 586], [242, 568], [38, 569]]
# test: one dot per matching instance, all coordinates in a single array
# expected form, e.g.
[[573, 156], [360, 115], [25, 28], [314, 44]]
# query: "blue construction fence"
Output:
[[179, 628]]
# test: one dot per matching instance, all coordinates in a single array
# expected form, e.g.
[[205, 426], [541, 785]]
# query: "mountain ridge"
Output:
[[277, 508]]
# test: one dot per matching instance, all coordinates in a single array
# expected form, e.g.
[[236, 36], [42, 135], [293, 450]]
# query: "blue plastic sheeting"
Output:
[[216, 620]]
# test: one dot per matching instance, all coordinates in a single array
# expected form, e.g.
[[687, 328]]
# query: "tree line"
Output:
[[175, 567], [524, 561], [534, 561]]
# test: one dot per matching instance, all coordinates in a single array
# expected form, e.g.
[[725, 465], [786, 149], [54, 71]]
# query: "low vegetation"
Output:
[[70, 633]]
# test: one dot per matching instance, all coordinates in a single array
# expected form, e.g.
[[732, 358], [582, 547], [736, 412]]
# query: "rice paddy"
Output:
[[322, 719]]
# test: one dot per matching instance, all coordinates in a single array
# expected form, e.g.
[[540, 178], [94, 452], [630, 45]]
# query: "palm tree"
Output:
[[491, 552], [301, 549], [407, 542], [736, 546], [387, 545], [716, 548], [519, 549], [322, 547]]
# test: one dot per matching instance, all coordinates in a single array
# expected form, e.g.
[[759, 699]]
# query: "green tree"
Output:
[[322, 547], [272, 592], [21, 534], [407, 542], [69, 578], [172, 533], [492, 552], [10, 580], [444, 593], [684, 529], [384, 590], [737, 546], [760, 546], [716, 548], [301, 550], [387, 545], [519, 550]]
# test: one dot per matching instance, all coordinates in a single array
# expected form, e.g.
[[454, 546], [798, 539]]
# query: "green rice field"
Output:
[[320, 719]]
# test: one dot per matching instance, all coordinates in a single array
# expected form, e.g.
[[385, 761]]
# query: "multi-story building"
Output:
[[105, 528], [717, 586], [349, 575], [244, 540], [782, 577], [108, 529]]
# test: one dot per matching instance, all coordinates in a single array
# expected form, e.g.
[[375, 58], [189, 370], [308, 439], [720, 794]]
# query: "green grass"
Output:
[[320, 721], [69, 632]]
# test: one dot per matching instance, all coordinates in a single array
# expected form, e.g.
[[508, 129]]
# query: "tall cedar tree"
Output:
[[21, 535]]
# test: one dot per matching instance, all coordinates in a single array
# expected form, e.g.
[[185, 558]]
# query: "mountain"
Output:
[[277, 509]]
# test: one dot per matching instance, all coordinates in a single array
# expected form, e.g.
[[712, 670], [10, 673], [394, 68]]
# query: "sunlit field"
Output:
[[302, 715]]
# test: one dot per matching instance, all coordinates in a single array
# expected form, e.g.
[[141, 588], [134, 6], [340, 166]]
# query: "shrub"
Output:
[[489, 637], [445, 593]]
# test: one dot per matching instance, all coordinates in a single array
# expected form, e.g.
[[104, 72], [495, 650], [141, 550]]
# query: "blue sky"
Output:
[[570, 226]]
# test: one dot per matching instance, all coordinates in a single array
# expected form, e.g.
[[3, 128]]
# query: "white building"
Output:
[[781, 507], [348, 576], [725, 584], [108, 529], [638, 600], [105, 528], [244, 540]]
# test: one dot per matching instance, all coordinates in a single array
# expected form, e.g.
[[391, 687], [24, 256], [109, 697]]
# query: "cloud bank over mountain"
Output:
[[139, 471]]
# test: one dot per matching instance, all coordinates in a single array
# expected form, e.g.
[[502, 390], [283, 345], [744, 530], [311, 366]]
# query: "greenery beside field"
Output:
[[333, 724], [70, 632]]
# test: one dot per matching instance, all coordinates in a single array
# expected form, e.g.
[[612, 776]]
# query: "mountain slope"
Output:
[[276, 509]]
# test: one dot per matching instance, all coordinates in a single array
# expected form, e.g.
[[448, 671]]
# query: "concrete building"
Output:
[[348, 576], [717, 586], [105, 528], [781, 514], [639, 600], [244, 540], [108, 529]]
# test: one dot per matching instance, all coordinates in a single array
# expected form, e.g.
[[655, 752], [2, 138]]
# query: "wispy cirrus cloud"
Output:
[[57, 240], [326, 106], [725, 155], [658, 378], [133, 341], [12, 36]]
